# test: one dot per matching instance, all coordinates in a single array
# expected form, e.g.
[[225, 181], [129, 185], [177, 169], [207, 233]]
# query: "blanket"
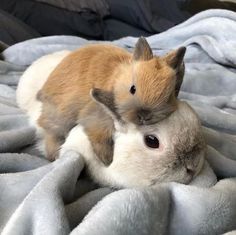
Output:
[[41, 197]]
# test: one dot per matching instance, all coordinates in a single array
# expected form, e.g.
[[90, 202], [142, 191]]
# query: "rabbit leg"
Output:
[[52, 146]]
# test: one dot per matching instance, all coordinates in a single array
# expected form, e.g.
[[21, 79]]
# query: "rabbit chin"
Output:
[[128, 169]]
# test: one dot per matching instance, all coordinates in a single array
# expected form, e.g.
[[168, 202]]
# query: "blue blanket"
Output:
[[38, 197]]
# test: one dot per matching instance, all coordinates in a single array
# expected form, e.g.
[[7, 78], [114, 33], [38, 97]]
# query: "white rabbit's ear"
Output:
[[106, 100], [142, 50]]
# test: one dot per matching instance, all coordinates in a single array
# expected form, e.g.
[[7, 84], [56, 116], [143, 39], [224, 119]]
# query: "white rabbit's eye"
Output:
[[151, 141], [132, 89]]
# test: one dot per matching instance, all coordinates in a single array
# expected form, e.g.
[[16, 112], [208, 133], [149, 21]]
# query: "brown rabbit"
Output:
[[142, 89]]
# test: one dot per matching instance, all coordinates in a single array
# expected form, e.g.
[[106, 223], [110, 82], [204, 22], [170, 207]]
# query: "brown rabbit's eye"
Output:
[[151, 141], [132, 89]]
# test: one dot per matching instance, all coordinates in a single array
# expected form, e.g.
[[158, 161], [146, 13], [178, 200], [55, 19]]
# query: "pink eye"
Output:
[[132, 89], [151, 141]]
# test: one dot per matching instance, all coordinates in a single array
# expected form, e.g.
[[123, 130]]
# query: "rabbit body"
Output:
[[62, 90], [31, 82], [66, 98]]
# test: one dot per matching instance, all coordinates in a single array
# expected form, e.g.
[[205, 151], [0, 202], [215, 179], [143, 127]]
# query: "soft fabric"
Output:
[[38, 197], [106, 19], [13, 30], [49, 20], [99, 6], [114, 29], [149, 15]]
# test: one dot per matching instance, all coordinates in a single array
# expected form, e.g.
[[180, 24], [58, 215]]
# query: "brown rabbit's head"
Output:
[[145, 90]]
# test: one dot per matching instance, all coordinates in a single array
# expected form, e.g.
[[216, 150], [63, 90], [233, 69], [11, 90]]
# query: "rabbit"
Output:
[[172, 150], [141, 87], [32, 81]]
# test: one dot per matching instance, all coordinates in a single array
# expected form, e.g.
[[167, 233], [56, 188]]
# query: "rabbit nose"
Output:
[[190, 169], [140, 118], [144, 116]]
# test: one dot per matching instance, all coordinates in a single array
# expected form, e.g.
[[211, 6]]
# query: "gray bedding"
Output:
[[38, 197]]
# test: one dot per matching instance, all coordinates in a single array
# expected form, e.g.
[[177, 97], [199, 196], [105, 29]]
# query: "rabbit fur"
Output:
[[111, 72]]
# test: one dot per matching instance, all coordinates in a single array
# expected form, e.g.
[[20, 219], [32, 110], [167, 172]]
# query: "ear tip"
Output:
[[142, 50], [182, 50], [141, 40]]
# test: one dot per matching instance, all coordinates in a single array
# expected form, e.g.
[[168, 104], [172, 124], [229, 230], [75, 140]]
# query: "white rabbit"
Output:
[[171, 150]]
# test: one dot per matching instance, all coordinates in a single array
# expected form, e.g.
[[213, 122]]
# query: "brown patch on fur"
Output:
[[66, 94], [154, 84], [54, 121], [106, 99], [102, 142], [99, 127]]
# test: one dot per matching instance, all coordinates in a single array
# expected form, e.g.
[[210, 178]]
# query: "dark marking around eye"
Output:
[[151, 141], [132, 89]]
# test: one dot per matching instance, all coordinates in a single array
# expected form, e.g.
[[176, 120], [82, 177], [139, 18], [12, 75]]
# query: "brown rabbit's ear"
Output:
[[142, 50], [106, 100], [175, 60], [179, 81]]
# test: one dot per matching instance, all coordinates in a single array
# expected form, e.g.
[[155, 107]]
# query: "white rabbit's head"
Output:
[[171, 150]]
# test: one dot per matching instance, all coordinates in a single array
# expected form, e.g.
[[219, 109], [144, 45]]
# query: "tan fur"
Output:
[[154, 81], [66, 100]]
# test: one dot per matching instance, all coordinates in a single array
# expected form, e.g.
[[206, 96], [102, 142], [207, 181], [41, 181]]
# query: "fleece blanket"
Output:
[[38, 197]]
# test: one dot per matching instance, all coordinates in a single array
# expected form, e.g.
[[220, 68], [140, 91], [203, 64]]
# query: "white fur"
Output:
[[134, 164], [78, 141], [33, 80]]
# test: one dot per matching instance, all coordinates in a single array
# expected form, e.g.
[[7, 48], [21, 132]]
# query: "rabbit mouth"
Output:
[[190, 171], [194, 169]]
